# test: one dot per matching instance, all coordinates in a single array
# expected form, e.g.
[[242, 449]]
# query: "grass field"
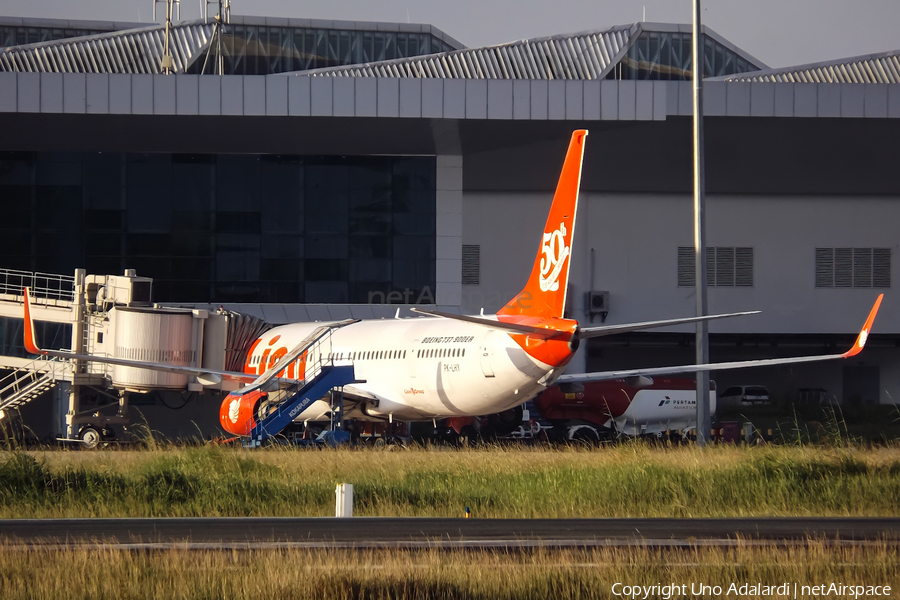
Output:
[[632, 480], [628, 480], [337, 575]]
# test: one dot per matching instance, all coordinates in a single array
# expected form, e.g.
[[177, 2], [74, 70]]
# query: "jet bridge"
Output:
[[112, 316]]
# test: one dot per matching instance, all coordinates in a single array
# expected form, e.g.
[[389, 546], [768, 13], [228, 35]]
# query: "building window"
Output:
[[471, 264], [853, 267], [668, 56], [726, 266], [228, 227]]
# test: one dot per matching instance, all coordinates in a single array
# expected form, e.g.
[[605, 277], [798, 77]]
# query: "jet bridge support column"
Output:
[[78, 366]]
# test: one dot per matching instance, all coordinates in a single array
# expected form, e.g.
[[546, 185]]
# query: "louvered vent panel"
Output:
[[862, 267], [471, 264], [686, 270], [743, 267], [843, 267], [824, 267], [710, 266], [853, 267], [724, 267], [881, 267]]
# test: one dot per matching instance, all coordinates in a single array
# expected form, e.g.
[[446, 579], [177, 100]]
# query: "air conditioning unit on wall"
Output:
[[597, 304]]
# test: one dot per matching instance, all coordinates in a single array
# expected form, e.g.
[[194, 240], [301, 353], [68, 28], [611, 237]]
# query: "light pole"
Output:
[[702, 337]]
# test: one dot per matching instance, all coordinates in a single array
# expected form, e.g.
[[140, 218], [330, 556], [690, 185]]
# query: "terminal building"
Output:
[[295, 169]]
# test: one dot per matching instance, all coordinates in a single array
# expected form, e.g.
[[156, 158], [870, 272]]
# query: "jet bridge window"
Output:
[[53, 336]]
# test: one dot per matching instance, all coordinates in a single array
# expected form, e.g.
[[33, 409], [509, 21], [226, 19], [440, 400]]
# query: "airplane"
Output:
[[439, 364]]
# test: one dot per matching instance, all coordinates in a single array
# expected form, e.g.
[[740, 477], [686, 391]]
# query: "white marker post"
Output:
[[343, 505]]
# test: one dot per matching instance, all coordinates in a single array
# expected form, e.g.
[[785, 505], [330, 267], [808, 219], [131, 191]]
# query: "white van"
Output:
[[744, 395]]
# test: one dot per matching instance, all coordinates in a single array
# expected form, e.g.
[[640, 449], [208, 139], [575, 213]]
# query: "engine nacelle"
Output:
[[237, 414]]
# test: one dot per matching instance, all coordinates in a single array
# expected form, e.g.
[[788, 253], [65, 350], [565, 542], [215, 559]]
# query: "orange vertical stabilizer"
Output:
[[545, 293]]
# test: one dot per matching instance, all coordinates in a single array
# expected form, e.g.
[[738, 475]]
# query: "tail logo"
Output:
[[555, 252]]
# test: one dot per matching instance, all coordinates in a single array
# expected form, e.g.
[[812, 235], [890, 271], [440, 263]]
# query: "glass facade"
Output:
[[226, 228], [667, 56], [258, 50], [19, 36]]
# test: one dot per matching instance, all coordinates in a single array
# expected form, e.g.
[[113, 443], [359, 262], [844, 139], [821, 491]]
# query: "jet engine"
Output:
[[237, 414]]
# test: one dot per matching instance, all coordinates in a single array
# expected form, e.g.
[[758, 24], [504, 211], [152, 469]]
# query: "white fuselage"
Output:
[[416, 368]]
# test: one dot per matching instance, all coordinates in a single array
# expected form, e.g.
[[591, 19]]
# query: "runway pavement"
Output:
[[377, 532]]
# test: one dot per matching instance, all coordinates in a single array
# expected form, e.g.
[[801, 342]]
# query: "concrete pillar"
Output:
[[448, 206]]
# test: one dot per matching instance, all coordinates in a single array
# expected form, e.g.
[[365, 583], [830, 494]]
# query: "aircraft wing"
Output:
[[493, 323], [583, 333], [742, 364], [590, 332], [205, 376]]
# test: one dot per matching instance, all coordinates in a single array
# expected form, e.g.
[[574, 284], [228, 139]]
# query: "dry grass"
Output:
[[427, 574]]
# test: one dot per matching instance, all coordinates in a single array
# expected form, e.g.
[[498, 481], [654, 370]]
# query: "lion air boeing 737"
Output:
[[448, 365]]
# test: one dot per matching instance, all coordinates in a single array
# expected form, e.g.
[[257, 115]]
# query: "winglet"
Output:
[[864, 332], [30, 342]]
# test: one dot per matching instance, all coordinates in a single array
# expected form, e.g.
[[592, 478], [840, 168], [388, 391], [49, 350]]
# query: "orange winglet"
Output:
[[864, 332], [30, 342]]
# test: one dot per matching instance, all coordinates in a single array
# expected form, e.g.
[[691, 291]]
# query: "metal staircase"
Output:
[[322, 376], [27, 383]]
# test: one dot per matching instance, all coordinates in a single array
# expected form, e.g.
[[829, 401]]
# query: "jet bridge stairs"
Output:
[[322, 376], [25, 384]]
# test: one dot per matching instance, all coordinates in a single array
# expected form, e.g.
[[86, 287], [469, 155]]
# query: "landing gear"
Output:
[[468, 436]]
